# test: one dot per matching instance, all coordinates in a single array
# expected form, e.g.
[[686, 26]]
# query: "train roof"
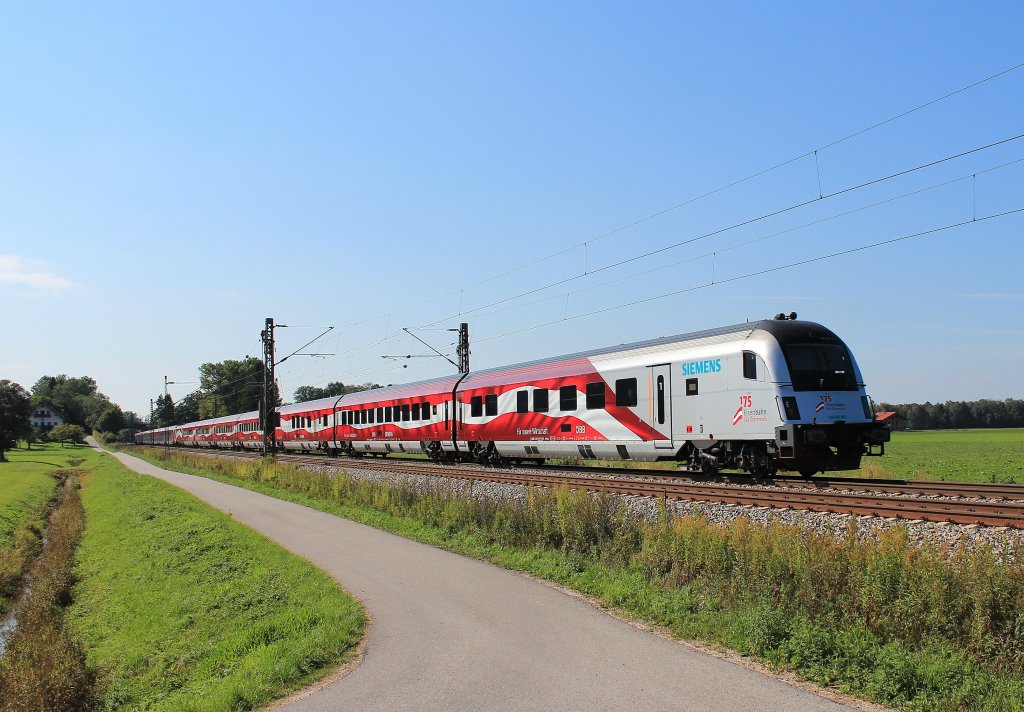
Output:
[[784, 331]]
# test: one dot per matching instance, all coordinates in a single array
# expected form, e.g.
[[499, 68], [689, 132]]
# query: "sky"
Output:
[[171, 174]]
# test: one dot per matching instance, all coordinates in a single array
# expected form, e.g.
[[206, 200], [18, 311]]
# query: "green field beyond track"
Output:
[[177, 606], [960, 455]]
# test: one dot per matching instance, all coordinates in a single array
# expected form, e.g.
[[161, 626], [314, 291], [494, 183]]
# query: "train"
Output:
[[777, 394]]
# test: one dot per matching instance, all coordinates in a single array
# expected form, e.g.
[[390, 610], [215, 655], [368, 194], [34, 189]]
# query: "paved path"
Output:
[[452, 633]]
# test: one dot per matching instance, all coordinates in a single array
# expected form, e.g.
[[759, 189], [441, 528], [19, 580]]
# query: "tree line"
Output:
[[984, 413], [76, 398]]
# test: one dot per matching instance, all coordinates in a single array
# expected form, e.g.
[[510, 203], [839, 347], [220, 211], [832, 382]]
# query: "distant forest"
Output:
[[1008, 413]]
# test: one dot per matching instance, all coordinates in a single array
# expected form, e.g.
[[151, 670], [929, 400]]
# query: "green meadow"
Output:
[[982, 455]]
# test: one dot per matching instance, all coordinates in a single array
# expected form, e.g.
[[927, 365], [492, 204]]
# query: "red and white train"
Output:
[[776, 394]]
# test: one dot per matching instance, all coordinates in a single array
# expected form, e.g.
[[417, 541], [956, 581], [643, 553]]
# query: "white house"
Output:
[[47, 417]]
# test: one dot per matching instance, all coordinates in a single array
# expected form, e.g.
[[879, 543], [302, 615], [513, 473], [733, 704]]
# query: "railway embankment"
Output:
[[890, 619], [165, 603]]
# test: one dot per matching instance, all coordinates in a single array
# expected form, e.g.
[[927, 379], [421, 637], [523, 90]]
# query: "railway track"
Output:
[[1002, 506]]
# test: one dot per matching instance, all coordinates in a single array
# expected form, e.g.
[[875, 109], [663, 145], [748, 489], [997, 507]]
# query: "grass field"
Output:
[[26, 485], [982, 455], [884, 619], [180, 608]]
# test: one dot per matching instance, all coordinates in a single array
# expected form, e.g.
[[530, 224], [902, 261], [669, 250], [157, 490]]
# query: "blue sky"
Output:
[[171, 174]]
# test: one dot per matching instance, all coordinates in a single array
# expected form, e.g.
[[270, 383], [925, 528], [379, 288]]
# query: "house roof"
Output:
[[887, 415], [46, 404]]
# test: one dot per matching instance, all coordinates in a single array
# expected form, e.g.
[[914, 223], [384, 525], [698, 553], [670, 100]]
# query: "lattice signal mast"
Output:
[[462, 350]]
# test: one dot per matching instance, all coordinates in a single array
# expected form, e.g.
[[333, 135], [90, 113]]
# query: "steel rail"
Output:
[[790, 496]]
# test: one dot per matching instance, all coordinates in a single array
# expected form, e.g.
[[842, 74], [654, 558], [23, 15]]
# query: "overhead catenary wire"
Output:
[[742, 223], [732, 184], [746, 243], [757, 273]]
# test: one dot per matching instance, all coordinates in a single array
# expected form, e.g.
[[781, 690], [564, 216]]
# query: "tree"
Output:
[[15, 415], [163, 413], [132, 421], [126, 435], [187, 409], [233, 386], [110, 420], [335, 388], [68, 432]]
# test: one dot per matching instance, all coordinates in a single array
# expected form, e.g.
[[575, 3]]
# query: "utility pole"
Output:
[[267, 419], [150, 413], [462, 350]]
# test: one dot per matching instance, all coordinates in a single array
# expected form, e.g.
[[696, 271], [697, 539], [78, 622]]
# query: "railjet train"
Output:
[[776, 394]]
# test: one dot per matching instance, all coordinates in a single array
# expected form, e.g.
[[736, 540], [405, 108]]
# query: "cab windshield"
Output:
[[820, 367]]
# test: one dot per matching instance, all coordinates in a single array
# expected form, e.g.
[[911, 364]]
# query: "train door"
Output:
[[660, 394]]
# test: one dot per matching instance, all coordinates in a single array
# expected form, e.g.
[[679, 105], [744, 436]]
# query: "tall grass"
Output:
[[901, 623], [44, 668]]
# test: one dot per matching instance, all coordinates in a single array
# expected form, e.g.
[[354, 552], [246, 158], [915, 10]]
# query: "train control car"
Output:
[[760, 396], [775, 394]]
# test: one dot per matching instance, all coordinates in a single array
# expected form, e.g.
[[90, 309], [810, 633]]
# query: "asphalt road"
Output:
[[451, 633]]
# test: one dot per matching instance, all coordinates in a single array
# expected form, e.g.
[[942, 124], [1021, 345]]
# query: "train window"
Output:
[[491, 404], [540, 401], [405, 411], [691, 386], [370, 415], [380, 414], [415, 411], [435, 410], [595, 395], [387, 414], [661, 400], [363, 416], [567, 398], [523, 402], [625, 392], [476, 406], [425, 410], [750, 365]]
